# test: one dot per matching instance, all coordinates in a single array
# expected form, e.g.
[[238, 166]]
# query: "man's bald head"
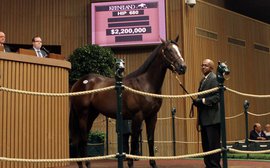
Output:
[[207, 66], [210, 63]]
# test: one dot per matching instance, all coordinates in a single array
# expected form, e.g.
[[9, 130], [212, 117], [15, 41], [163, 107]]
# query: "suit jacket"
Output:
[[7, 48], [44, 54], [253, 135], [209, 113], [127, 126]]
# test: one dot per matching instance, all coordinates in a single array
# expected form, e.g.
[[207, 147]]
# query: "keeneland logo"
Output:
[[142, 5], [127, 7], [122, 7]]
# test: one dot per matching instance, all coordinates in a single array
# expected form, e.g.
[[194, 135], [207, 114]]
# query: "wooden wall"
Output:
[[204, 31], [221, 35], [61, 22], [33, 127], [216, 2]]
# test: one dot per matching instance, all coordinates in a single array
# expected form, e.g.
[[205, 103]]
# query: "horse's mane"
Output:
[[146, 64]]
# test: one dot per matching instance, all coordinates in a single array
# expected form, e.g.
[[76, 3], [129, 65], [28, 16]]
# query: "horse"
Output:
[[149, 77]]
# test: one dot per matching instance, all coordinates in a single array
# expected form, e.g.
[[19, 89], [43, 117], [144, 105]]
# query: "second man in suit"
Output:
[[209, 114], [37, 44]]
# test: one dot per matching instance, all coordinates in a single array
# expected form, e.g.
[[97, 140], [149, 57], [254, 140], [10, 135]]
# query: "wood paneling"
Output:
[[33, 127], [61, 22], [216, 2], [223, 24], [64, 22], [248, 66]]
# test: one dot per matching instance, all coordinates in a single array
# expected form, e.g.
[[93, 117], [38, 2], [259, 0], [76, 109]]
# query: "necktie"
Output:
[[39, 53], [201, 83]]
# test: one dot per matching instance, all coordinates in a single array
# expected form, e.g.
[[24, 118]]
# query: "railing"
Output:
[[120, 155]]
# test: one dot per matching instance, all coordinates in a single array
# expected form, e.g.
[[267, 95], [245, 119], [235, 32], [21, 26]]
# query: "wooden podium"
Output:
[[33, 127], [33, 53], [56, 56], [27, 52], [1, 48]]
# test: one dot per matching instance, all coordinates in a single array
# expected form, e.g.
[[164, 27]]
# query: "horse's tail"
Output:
[[73, 131], [73, 123]]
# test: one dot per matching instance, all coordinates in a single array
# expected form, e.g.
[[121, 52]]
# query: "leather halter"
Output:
[[168, 60]]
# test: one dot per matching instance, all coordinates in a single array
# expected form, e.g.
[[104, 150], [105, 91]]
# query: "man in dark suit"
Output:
[[37, 45], [209, 114], [257, 133], [126, 135], [2, 42]]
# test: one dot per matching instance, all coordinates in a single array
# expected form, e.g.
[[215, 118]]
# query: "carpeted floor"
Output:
[[181, 163]]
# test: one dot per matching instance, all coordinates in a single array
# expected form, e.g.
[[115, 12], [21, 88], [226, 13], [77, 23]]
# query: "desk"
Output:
[[253, 146], [29, 52]]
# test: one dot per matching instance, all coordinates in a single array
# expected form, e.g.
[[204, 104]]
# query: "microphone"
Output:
[[47, 52]]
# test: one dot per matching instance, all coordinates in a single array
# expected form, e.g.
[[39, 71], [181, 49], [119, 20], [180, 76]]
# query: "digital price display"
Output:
[[125, 23]]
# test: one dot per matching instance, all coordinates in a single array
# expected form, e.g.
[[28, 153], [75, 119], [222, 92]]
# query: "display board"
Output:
[[125, 23]]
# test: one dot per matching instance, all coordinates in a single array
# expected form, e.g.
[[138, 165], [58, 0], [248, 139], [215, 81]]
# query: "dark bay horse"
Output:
[[149, 78]]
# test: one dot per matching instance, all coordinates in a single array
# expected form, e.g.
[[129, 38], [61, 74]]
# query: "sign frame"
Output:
[[128, 23]]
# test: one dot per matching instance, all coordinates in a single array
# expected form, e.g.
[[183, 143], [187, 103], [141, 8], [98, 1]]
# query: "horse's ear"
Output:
[[177, 38], [163, 41]]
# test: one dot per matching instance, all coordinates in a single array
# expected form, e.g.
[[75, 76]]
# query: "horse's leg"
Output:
[[85, 122], [75, 149], [136, 129], [83, 136], [92, 115], [150, 130], [74, 131]]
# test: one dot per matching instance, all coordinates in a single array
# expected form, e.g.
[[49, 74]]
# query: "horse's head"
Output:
[[173, 57]]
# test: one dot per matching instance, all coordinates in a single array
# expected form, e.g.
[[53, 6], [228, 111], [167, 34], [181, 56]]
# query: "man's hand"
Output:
[[261, 138], [197, 102]]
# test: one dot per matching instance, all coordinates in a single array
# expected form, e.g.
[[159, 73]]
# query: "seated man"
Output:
[[257, 133], [2, 42], [37, 47]]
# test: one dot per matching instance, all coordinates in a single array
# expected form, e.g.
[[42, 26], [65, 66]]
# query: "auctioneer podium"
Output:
[[33, 127], [33, 53]]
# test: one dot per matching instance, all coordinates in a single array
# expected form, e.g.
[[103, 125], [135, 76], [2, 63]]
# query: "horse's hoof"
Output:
[[130, 163], [88, 165], [80, 165], [153, 164]]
